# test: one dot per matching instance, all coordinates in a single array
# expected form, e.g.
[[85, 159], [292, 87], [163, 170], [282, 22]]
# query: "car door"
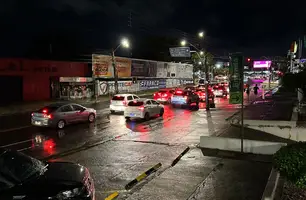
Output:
[[155, 107], [68, 114], [81, 114], [149, 107]]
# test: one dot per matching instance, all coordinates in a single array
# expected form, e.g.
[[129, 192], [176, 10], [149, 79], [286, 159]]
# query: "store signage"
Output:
[[180, 52], [236, 79], [76, 79]]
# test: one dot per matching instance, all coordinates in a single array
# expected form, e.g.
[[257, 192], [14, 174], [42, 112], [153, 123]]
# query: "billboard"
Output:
[[162, 69], [138, 68], [184, 71], [151, 69], [180, 52], [262, 64], [102, 66]]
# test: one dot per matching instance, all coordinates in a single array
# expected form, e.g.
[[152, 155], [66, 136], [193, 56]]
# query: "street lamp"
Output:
[[201, 34], [201, 53], [124, 43], [183, 42]]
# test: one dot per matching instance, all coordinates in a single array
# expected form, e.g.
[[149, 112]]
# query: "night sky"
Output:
[[255, 27]]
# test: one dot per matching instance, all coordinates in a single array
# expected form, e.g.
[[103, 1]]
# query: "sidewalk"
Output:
[[197, 177], [35, 105]]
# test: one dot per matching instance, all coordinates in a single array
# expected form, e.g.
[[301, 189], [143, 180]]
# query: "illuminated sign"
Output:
[[262, 64]]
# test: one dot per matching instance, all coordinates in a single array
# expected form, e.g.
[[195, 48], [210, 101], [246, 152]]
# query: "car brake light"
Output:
[[32, 114], [141, 108], [48, 116], [185, 97], [179, 92], [45, 111], [154, 94]]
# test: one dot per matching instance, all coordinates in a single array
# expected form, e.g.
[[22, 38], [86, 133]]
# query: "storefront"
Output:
[[76, 87]]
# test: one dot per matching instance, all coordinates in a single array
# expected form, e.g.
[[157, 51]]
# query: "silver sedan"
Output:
[[59, 115]]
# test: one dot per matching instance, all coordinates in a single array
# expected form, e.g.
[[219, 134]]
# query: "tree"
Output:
[[197, 60]]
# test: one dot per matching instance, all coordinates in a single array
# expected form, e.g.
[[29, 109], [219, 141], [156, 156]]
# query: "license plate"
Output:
[[132, 114], [37, 123]]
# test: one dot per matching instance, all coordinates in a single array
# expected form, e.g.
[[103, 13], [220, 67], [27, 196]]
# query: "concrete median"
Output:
[[234, 144]]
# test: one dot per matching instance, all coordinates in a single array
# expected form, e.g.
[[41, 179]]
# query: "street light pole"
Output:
[[115, 70], [207, 79]]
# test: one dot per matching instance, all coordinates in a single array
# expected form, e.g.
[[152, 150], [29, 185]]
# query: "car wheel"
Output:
[[112, 112], [161, 112], [147, 116], [61, 124], [127, 118], [91, 118]]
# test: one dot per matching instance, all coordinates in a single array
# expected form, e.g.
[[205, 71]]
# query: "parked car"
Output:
[[58, 115], [220, 91], [120, 101], [24, 177], [184, 98], [143, 109], [163, 95]]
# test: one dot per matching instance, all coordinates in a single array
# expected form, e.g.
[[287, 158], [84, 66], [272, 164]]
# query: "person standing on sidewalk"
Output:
[[248, 91], [255, 89]]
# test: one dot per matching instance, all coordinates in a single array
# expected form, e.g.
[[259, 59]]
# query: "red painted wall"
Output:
[[36, 74]]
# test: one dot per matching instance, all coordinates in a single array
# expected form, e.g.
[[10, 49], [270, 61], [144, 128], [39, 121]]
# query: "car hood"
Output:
[[60, 176]]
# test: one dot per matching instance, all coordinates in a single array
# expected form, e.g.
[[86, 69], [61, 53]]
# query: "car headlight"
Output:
[[69, 194]]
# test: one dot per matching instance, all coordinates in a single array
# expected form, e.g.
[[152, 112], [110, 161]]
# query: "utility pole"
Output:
[[207, 81], [115, 72]]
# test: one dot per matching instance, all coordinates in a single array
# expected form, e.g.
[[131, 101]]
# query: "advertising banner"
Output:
[[171, 73], [162, 83], [262, 64], [236, 79], [184, 71], [102, 66], [148, 84], [151, 69], [161, 70], [106, 87], [138, 68]]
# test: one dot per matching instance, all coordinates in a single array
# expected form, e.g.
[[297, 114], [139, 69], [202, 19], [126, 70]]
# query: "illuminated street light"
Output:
[[200, 63], [183, 42], [201, 34], [201, 53], [125, 43]]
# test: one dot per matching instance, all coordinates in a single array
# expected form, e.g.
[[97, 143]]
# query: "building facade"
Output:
[[31, 80]]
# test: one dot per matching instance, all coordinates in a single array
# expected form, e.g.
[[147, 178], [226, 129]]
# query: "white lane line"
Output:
[[14, 129], [15, 143]]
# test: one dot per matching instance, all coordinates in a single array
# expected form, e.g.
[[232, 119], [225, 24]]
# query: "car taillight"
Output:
[[165, 95], [154, 94], [124, 103], [179, 92], [32, 114], [45, 111], [185, 97], [141, 108], [48, 116]]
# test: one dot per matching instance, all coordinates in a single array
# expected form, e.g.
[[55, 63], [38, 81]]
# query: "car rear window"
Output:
[[135, 103], [118, 98], [49, 109]]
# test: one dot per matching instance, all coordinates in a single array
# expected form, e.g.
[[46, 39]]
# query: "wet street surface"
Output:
[[127, 149]]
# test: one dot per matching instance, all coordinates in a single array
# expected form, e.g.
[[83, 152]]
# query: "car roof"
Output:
[[59, 104], [125, 94]]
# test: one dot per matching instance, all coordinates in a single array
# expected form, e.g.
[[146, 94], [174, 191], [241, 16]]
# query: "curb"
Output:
[[81, 148], [273, 189], [142, 176], [175, 161], [112, 196]]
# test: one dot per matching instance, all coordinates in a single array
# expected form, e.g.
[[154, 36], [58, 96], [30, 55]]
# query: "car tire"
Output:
[[127, 119], [61, 124], [112, 112], [161, 112], [147, 116], [91, 118]]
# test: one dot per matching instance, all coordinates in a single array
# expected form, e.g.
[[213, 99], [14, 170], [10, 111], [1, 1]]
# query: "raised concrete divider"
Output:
[[234, 144]]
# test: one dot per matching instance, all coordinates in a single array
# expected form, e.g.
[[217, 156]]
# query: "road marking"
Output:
[[112, 196], [15, 143], [14, 129]]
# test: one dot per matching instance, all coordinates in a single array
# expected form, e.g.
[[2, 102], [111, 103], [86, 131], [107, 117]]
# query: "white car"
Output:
[[143, 109], [120, 101]]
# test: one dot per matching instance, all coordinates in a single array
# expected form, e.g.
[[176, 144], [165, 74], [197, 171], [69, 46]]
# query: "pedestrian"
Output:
[[255, 89]]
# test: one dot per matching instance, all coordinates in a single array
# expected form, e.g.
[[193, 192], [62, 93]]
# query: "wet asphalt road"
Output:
[[140, 145]]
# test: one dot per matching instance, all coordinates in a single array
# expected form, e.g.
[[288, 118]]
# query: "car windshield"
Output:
[[135, 103], [49, 109], [17, 168], [118, 98]]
